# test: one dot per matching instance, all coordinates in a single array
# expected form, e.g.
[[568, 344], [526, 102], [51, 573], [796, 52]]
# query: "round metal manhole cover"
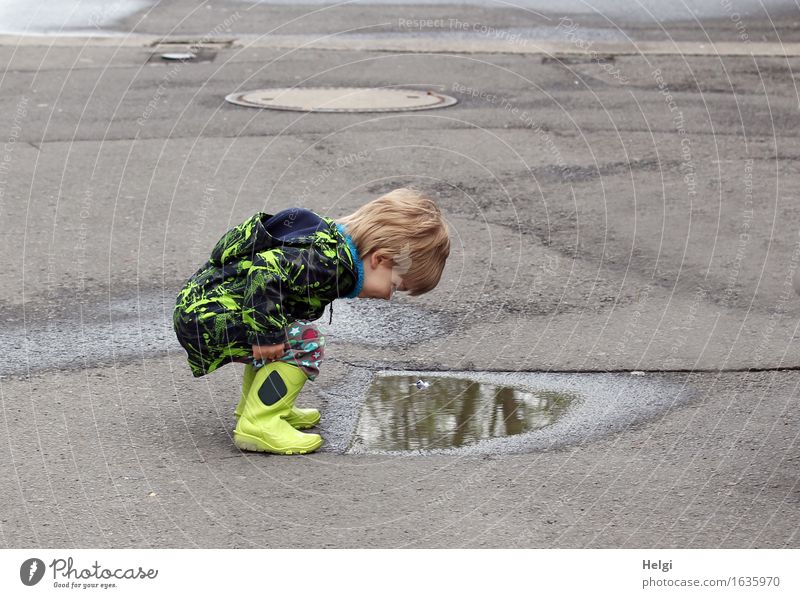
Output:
[[341, 99]]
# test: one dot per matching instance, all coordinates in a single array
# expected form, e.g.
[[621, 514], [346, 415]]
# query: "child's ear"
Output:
[[378, 258]]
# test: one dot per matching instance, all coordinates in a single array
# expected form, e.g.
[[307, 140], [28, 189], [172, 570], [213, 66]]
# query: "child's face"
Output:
[[381, 278]]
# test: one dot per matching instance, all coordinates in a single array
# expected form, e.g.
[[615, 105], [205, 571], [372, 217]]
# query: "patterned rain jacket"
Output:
[[262, 275]]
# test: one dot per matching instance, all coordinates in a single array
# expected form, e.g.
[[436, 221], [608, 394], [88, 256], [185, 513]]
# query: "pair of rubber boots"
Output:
[[267, 420]]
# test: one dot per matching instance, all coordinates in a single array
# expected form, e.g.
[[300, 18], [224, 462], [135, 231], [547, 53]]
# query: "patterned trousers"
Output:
[[306, 348]]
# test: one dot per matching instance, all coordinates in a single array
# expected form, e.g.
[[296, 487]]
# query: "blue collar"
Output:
[[356, 260]]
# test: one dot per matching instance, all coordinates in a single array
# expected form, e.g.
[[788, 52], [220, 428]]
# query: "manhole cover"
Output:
[[341, 99], [402, 413]]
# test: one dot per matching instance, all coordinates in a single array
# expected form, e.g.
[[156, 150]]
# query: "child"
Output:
[[267, 278]]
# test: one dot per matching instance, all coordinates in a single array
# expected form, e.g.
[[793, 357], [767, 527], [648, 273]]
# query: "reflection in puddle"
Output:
[[400, 415]]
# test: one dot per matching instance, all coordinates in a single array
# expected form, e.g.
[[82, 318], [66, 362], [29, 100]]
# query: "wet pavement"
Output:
[[80, 334], [526, 19]]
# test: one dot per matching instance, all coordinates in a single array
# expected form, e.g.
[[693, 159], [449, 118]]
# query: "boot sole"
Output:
[[245, 442]]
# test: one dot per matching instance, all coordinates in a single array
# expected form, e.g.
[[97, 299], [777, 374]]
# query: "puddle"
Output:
[[469, 413], [399, 415]]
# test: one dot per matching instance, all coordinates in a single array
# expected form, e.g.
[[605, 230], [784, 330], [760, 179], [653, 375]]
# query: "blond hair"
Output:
[[410, 229]]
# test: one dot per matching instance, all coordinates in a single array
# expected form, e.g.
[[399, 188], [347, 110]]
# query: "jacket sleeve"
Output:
[[270, 278]]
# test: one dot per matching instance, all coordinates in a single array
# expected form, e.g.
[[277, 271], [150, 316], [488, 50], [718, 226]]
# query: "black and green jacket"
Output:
[[262, 275]]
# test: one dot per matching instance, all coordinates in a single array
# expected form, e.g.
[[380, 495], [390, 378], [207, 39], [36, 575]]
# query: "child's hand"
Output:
[[269, 351]]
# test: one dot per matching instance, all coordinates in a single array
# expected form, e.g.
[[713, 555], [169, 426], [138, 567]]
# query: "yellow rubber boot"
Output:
[[298, 418], [301, 419], [262, 426], [247, 381]]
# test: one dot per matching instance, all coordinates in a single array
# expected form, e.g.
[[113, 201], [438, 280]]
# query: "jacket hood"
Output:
[[295, 227]]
